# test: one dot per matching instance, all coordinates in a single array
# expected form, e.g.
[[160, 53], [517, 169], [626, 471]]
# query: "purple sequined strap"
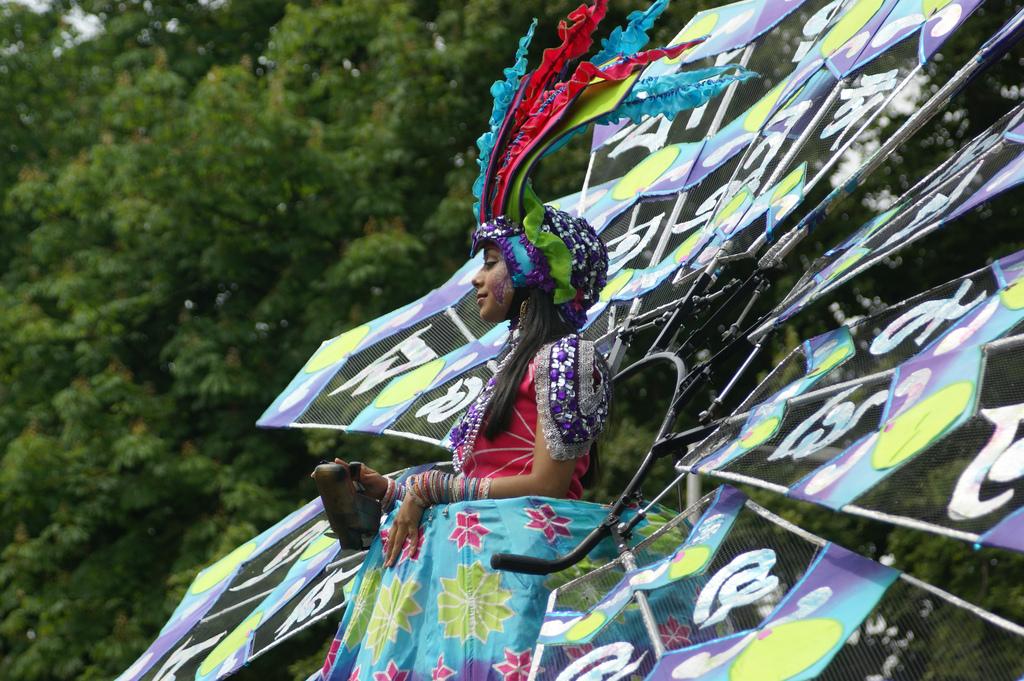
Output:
[[573, 392]]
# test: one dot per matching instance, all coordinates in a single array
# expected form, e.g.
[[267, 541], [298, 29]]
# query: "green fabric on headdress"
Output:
[[554, 249]]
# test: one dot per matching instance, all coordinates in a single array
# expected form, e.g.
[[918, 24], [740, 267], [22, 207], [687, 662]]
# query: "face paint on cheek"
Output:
[[501, 290], [502, 283]]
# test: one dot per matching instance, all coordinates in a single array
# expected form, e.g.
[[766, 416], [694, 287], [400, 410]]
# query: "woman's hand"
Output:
[[373, 482], [406, 527]]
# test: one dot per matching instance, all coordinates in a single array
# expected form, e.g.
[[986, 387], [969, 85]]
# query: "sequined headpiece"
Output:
[[555, 252]]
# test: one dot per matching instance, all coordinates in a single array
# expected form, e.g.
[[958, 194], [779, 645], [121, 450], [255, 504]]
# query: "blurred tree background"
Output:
[[194, 194]]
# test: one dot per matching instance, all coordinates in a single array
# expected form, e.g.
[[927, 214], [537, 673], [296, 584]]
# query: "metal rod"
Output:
[[944, 595], [834, 158], [677, 208], [991, 618], [662, 494], [581, 205], [909, 522], [459, 324], [618, 350], [759, 288], [707, 415], [785, 524], [733, 289], [807, 132], [703, 281], [727, 96], [236, 606], [780, 249], [692, 490], [649, 623], [646, 614], [346, 560], [739, 477], [819, 393]]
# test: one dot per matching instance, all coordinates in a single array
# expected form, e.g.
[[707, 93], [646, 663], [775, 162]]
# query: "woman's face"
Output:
[[493, 286]]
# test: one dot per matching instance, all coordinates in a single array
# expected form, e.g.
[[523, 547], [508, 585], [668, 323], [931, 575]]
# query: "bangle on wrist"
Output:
[[393, 493], [434, 487]]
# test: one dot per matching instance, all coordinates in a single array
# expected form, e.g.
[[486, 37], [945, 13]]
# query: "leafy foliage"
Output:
[[196, 195]]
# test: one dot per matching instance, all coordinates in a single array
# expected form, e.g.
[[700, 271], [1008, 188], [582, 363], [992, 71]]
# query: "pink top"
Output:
[[511, 452]]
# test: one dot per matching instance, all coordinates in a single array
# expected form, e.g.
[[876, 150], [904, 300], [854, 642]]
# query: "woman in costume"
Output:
[[426, 604], [427, 600]]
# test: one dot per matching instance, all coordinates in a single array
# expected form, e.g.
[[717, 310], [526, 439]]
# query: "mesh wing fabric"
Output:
[[989, 165], [919, 397], [259, 595], [768, 602], [663, 195]]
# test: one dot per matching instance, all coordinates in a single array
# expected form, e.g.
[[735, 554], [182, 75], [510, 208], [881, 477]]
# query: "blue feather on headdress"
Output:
[[503, 92], [633, 37], [668, 95]]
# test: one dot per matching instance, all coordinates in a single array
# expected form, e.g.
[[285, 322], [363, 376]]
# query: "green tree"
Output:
[[190, 201]]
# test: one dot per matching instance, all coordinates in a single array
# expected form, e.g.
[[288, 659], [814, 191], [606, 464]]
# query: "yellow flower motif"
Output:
[[473, 603], [362, 608], [394, 608]]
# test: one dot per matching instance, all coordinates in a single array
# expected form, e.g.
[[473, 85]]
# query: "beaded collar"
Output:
[[464, 435]]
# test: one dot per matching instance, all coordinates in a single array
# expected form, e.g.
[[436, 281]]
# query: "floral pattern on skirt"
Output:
[[442, 613]]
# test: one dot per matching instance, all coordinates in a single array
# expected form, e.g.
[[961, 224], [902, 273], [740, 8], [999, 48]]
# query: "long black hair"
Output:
[[540, 325]]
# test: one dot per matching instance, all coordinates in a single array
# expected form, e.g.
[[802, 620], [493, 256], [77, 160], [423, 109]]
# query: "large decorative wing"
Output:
[[420, 365], [250, 600], [669, 198], [919, 397], [989, 165], [686, 197], [734, 592], [258, 596]]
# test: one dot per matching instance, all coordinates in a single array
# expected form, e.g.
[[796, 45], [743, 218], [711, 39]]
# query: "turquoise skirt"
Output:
[[441, 612]]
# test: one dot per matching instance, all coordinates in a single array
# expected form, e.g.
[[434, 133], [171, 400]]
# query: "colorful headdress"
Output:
[[535, 114], [555, 252]]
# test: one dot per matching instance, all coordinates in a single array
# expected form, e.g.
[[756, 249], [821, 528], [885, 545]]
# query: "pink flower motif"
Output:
[[354, 676], [412, 551], [516, 666], [468, 530], [392, 673], [331, 655], [409, 551], [674, 634], [441, 672], [545, 519]]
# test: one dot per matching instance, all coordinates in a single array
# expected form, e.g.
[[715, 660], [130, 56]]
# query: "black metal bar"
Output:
[[703, 280], [709, 413], [761, 284], [673, 441], [539, 566], [735, 292]]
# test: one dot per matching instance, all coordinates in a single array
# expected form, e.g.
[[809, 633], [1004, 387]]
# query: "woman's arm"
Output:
[[548, 478]]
